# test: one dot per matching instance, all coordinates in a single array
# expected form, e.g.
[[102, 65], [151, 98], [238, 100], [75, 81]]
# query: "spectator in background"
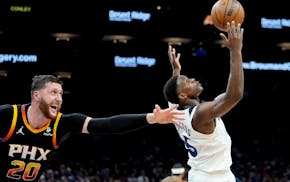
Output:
[[179, 171], [142, 176], [171, 179]]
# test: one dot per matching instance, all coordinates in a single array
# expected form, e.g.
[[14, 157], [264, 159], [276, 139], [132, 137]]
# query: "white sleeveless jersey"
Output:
[[206, 152]]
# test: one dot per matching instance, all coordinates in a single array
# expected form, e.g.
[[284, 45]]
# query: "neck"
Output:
[[35, 117], [190, 103], [194, 102]]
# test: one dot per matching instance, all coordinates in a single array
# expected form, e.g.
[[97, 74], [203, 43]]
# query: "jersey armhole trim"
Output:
[[13, 124], [54, 140]]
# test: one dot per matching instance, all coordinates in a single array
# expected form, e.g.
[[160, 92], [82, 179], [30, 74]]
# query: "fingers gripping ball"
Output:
[[224, 11]]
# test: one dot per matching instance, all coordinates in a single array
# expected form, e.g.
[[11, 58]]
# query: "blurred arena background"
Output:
[[111, 66]]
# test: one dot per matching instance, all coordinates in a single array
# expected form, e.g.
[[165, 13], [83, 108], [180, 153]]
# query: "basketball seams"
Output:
[[225, 14], [217, 17], [238, 11], [217, 20]]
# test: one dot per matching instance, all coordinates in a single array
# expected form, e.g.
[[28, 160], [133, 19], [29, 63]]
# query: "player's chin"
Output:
[[200, 89], [53, 113], [53, 116]]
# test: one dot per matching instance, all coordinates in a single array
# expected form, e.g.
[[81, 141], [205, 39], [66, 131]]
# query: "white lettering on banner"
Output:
[[252, 65], [119, 16], [146, 61], [140, 16], [128, 16], [133, 61], [17, 58], [125, 61], [275, 23]]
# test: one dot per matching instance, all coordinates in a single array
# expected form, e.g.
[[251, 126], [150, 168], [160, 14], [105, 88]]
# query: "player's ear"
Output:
[[182, 96], [36, 95]]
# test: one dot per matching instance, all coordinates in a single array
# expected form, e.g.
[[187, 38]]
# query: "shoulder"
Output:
[[6, 115], [71, 122], [6, 107], [6, 110], [73, 117]]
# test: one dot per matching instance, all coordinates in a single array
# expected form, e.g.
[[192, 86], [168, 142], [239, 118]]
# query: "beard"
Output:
[[45, 109]]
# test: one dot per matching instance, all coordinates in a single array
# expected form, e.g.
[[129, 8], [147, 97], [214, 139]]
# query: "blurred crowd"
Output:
[[155, 164]]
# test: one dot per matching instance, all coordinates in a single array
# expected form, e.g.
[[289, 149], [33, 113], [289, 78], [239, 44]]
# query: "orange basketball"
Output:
[[224, 11]]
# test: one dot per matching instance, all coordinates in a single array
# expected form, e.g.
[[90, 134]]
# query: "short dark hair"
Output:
[[39, 81], [170, 90]]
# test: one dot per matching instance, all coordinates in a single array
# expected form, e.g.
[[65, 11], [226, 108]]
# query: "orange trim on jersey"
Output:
[[33, 130], [54, 142], [13, 124]]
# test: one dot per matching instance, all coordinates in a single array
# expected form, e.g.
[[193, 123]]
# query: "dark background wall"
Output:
[[99, 89]]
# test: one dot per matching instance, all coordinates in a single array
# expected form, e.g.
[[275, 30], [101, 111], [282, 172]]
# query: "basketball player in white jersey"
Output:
[[204, 133]]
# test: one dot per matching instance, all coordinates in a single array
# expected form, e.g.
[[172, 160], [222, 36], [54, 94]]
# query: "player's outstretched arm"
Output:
[[127, 122], [165, 116]]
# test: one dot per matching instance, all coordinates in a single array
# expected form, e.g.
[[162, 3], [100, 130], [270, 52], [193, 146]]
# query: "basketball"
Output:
[[224, 11]]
